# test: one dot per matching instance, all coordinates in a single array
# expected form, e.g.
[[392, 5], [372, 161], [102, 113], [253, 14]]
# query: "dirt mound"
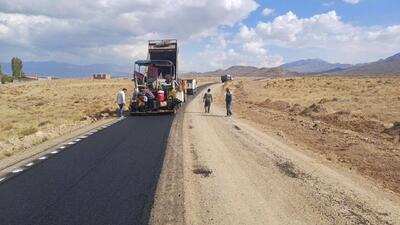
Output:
[[314, 110], [277, 105], [347, 120], [394, 130], [297, 109]]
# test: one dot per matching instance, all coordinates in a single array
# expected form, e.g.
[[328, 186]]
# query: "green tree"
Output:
[[16, 66]]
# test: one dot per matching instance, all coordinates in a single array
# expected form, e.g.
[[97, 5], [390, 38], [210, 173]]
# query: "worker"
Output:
[[121, 101], [150, 98], [228, 101], [172, 93], [207, 99], [184, 89], [175, 101]]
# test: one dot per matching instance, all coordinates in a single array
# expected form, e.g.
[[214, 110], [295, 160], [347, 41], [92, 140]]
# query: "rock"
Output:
[[393, 130]]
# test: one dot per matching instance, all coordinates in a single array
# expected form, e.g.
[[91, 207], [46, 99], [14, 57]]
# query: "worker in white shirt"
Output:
[[121, 101]]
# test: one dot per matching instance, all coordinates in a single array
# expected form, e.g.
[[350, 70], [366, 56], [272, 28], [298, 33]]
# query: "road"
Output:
[[235, 173], [109, 177]]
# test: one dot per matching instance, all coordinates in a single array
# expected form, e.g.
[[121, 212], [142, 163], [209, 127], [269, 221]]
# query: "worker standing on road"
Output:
[[207, 99], [121, 101], [228, 101]]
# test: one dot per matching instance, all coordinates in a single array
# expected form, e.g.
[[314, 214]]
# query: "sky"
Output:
[[212, 34]]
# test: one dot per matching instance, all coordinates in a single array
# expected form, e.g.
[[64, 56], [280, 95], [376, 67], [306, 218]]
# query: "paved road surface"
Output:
[[108, 178]]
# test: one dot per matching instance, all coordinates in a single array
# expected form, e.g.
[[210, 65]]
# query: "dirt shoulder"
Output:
[[235, 173], [350, 121]]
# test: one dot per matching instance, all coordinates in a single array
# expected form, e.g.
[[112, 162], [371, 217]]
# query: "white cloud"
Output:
[[267, 11], [328, 4], [353, 2], [225, 50], [332, 37], [74, 27], [116, 31]]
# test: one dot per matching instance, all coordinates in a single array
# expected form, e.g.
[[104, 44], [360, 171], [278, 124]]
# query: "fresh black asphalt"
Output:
[[108, 178]]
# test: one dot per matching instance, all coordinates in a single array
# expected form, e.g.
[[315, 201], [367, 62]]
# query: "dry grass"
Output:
[[33, 112], [352, 121], [374, 98]]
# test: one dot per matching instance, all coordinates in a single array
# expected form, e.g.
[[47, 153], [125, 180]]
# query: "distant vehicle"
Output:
[[226, 77], [191, 86], [156, 87]]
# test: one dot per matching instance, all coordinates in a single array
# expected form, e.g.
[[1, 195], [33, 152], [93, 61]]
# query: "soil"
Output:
[[353, 128], [236, 171]]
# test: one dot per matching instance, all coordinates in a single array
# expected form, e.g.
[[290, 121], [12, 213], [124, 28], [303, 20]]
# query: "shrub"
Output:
[[6, 79], [28, 131]]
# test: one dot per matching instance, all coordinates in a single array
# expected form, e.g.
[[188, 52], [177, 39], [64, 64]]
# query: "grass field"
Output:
[[33, 112]]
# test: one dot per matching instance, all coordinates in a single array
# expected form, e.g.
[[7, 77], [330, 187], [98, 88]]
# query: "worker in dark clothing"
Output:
[[207, 99], [228, 101], [150, 98]]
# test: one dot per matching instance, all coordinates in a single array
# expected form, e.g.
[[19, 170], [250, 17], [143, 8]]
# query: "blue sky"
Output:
[[212, 34], [364, 13]]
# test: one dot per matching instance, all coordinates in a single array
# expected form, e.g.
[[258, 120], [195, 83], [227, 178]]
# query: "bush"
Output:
[[6, 79], [28, 131]]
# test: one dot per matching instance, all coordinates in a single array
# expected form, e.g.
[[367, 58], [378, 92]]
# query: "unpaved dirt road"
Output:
[[225, 171]]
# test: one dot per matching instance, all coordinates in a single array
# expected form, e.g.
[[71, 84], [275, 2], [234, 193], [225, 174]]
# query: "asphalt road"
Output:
[[108, 178]]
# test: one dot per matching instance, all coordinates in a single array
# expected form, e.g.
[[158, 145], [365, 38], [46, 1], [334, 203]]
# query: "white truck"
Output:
[[191, 86]]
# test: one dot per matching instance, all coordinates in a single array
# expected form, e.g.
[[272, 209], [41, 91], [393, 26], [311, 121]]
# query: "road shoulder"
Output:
[[236, 174]]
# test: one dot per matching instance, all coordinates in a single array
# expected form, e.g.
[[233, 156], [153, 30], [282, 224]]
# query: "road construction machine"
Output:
[[157, 88]]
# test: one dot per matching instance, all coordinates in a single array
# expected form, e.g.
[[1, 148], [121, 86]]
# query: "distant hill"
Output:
[[388, 66], [248, 71], [59, 69], [314, 66]]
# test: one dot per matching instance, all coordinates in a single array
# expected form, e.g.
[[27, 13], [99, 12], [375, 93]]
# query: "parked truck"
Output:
[[156, 85], [191, 86], [226, 78]]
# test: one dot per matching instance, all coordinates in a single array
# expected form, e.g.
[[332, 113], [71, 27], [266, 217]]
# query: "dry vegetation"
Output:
[[352, 121], [33, 112]]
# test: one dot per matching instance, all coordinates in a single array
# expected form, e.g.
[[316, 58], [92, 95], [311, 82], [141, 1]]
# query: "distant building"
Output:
[[101, 76]]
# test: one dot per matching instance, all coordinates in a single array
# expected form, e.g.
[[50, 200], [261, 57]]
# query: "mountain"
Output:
[[248, 71], [313, 66], [60, 69], [388, 66]]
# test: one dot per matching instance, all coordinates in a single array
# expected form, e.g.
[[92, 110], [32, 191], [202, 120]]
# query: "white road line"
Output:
[[43, 157], [62, 147], [83, 137], [29, 164], [78, 140], [2, 178], [17, 170], [71, 143], [54, 152]]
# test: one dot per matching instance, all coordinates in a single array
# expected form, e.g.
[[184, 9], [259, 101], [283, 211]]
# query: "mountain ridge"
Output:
[[387, 66], [313, 66]]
